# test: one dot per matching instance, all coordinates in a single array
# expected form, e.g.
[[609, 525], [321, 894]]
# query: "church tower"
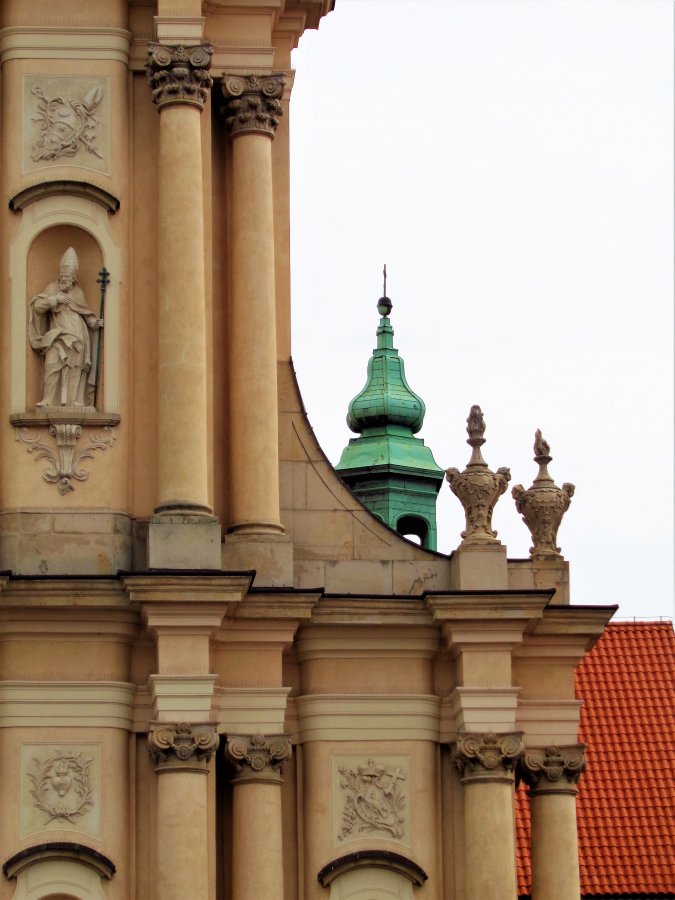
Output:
[[389, 469]]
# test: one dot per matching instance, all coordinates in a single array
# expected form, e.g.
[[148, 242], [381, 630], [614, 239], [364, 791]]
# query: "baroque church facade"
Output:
[[222, 676]]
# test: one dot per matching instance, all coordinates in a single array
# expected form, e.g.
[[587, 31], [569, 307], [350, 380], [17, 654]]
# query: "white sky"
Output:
[[512, 163]]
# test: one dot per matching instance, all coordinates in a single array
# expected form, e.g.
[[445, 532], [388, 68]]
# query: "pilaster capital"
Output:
[[253, 104], [182, 747], [488, 756], [257, 758], [553, 770], [179, 74]]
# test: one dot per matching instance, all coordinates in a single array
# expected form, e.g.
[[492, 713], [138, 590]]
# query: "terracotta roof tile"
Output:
[[626, 804]]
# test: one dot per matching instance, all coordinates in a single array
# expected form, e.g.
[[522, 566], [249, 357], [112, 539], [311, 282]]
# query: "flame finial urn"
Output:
[[543, 505], [478, 488]]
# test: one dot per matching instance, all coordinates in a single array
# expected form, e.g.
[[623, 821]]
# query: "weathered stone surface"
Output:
[[173, 545]]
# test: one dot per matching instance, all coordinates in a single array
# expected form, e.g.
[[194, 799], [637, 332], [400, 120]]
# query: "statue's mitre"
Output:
[[69, 262]]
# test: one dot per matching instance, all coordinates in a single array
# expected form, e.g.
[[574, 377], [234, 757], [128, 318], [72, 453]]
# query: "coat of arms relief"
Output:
[[66, 122], [61, 788], [373, 798]]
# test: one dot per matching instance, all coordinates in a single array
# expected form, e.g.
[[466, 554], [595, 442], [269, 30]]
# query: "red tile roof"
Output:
[[626, 803]]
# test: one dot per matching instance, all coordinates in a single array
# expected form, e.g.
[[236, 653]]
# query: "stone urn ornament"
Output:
[[543, 505], [478, 487]]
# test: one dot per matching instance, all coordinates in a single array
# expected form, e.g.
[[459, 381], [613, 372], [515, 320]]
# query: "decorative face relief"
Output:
[[66, 122], [60, 788], [371, 798]]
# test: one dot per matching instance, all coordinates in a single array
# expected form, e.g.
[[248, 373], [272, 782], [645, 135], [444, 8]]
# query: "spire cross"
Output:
[[384, 277]]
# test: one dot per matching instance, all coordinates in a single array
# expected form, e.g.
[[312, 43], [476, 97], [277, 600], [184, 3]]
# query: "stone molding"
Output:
[[357, 717], [62, 704], [64, 41], [253, 103], [257, 758], [553, 770], [488, 756], [179, 74], [182, 747]]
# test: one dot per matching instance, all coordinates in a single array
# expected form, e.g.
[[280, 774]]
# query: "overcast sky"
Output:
[[512, 163]]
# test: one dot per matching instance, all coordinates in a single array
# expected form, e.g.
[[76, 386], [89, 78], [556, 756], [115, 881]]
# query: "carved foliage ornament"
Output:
[[258, 755], [66, 125], [253, 103], [64, 458], [483, 755], [373, 800], [543, 505], [61, 785], [477, 487], [174, 745], [561, 766], [179, 74]]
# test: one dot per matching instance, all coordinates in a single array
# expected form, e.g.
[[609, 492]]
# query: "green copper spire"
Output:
[[391, 472]]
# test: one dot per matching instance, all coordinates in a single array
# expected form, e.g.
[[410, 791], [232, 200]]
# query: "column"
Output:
[[486, 763], [257, 855], [181, 753], [253, 115], [553, 774], [180, 85]]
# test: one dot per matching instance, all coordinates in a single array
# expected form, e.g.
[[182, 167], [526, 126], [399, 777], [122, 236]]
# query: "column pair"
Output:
[[180, 84], [488, 764]]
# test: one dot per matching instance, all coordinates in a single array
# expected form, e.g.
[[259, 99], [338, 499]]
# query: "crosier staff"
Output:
[[102, 281]]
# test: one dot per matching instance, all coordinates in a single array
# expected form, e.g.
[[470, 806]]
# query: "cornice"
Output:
[[68, 187], [64, 41]]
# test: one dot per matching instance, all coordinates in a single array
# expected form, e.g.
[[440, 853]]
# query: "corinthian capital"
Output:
[[253, 105], [488, 757], [179, 74], [553, 769], [182, 746], [257, 758]]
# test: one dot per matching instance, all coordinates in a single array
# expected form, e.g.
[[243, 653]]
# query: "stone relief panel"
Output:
[[60, 788], [371, 798], [66, 122]]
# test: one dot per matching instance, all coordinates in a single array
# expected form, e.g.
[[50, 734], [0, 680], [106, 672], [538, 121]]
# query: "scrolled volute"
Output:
[[257, 756], [179, 74], [488, 756], [173, 745], [552, 767], [253, 103]]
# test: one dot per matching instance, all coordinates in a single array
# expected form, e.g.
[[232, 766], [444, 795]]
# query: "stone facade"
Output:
[[220, 675]]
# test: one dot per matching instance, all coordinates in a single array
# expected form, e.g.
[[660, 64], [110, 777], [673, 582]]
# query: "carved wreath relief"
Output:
[[61, 788], [66, 122], [373, 798]]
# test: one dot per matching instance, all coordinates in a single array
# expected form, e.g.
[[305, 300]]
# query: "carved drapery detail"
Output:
[[253, 105], [488, 757], [553, 769], [64, 458], [179, 74], [258, 758], [544, 504], [477, 487], [182, 746]]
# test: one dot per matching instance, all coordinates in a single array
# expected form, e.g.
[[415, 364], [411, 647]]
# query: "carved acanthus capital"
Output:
[[543, 505], [253, 104], [488, 757], [179, 74], [182, 746], [258, 758], [553, 769], [477, 487]]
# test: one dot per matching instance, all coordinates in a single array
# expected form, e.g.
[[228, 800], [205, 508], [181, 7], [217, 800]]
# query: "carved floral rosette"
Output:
[[182, 745], [543, 505], [257, 757], [253, 104], [477, 487], [553, 769], [179, 74], [488, 757]]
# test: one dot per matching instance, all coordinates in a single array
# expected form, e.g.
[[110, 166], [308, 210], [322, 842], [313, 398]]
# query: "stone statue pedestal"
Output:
[[479, 567]]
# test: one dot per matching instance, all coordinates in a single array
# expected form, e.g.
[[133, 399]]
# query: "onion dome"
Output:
[[387, 398]]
